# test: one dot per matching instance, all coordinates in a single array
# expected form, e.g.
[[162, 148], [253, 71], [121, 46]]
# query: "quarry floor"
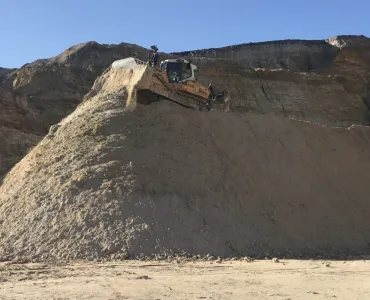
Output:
[[286, 279]]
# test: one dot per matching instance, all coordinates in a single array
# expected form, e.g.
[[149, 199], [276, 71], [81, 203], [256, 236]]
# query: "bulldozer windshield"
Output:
[[177, 71]]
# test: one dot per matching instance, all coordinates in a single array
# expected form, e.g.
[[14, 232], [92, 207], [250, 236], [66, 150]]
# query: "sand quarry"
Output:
[[118, 180]]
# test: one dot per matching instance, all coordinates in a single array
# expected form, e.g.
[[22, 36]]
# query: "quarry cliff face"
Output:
[[306, 96], [117, 179], [325, 82], [295, 55], [53, 87]]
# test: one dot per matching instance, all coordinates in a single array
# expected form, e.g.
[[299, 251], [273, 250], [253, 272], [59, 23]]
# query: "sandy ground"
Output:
[[287, 279]]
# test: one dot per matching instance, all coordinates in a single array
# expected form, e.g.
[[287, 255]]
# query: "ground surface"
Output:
[[286, 279]]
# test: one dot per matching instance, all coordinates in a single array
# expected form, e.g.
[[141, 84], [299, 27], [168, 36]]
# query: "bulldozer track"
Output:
[[178, 97]]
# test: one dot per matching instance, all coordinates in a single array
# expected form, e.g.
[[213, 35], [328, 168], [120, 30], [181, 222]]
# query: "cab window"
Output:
[[177, 71], [173, 72], [186, 70]]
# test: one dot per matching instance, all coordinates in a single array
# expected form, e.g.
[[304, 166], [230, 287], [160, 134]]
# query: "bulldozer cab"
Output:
[[178, 70]]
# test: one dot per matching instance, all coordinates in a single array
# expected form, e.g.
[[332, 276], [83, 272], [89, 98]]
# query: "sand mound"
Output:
[[160, 179]]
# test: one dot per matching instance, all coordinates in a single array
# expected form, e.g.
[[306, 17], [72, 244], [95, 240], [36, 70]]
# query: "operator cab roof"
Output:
[[176, 60], [179, 60]]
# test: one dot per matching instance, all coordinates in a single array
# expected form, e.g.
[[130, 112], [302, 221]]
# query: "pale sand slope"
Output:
[[162, 179], [298, 280]]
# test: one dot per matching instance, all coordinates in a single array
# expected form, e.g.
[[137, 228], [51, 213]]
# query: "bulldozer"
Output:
[[174, 80]]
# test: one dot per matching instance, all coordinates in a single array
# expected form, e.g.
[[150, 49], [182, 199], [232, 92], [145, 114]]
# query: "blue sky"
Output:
[[32, 29]]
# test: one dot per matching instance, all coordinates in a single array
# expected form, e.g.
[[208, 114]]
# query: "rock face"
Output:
[[4, 72], [317, 81], [14, 144], [325, 82], [346, 40], [18, 132], [307, 96], [54, 87], [114, 179], [297, 55]]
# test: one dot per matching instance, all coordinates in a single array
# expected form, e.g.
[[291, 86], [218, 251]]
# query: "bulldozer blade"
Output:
[[127, 63], [138, 67]]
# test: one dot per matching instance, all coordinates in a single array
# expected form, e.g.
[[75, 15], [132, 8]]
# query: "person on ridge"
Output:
[[153, 56], [211, 97]]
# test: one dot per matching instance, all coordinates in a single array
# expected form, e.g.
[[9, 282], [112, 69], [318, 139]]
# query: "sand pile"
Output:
[[116, 80], [112, 181]]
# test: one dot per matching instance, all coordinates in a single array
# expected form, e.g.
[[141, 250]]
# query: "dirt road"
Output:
[[287, 279]]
